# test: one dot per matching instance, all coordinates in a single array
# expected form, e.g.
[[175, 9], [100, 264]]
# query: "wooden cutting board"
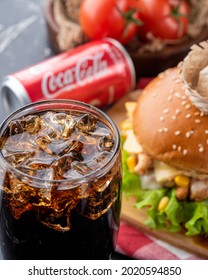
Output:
[[136, 218]]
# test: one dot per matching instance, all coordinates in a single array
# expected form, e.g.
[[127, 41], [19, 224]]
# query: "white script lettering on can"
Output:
[[86, 69]]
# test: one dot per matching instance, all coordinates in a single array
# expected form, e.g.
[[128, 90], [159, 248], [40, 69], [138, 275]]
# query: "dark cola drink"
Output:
[[60, 182]]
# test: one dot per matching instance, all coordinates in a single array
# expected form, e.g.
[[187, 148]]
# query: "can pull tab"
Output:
[[194, 74]]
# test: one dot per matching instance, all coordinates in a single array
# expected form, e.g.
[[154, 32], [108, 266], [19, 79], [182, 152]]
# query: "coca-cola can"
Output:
[[97, 73]]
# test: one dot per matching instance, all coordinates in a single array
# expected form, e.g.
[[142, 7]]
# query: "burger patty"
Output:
[[199, 190]]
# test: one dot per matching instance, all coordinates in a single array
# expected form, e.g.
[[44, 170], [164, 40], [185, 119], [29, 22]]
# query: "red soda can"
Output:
[[98, 73]]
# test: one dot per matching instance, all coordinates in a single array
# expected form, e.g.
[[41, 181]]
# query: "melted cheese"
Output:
[[165, 172]]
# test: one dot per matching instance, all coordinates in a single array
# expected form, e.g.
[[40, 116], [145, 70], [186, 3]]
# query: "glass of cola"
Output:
[[60, 180]]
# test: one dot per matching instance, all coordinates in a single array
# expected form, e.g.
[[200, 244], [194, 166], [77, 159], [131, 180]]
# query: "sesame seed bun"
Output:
[[169, 127]]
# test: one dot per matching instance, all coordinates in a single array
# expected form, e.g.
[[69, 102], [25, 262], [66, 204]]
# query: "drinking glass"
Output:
[[60, 182]]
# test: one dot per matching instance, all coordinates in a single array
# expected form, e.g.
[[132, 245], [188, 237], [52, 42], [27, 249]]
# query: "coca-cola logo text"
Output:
[[86, 69]]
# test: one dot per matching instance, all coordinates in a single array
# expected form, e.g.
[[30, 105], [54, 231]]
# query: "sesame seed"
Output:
[[170, 98], [201, 114], [179, 149], [174, 147], [192, 131], [185, 152], [162, 119], [188, 116], [177, 94], [188, 106], [154, 94], [183, 103], [183, 97], [197, 121], [177, 132], [163, 129], [196, 114], [165, 111], [207, 141], [188, 134], [177, 111], [174, 117], [206, 132], [201, 149]]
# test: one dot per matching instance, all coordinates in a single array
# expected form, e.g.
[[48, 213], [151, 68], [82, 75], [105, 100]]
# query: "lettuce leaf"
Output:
[[131, 184], [151, 199], [198, 224], [173, 212], [178, 215]]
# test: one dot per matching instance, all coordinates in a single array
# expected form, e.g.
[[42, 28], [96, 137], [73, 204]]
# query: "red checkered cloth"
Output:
[[137, 245]]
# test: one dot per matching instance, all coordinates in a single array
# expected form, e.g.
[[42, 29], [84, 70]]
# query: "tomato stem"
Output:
[[129, 18], [176, 14]]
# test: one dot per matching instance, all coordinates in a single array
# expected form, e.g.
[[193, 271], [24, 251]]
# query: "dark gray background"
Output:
[[23, 36]]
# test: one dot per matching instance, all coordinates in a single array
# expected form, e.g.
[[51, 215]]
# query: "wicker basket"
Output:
[[62, 20]]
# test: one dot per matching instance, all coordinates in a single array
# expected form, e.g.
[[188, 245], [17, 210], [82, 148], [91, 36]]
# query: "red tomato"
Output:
[[166, 19], [109, 18]]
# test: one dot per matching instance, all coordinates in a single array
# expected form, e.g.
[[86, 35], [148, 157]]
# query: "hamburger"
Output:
[[165, 156]]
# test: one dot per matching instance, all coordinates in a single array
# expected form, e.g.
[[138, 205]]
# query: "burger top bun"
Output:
[[169, 127]]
